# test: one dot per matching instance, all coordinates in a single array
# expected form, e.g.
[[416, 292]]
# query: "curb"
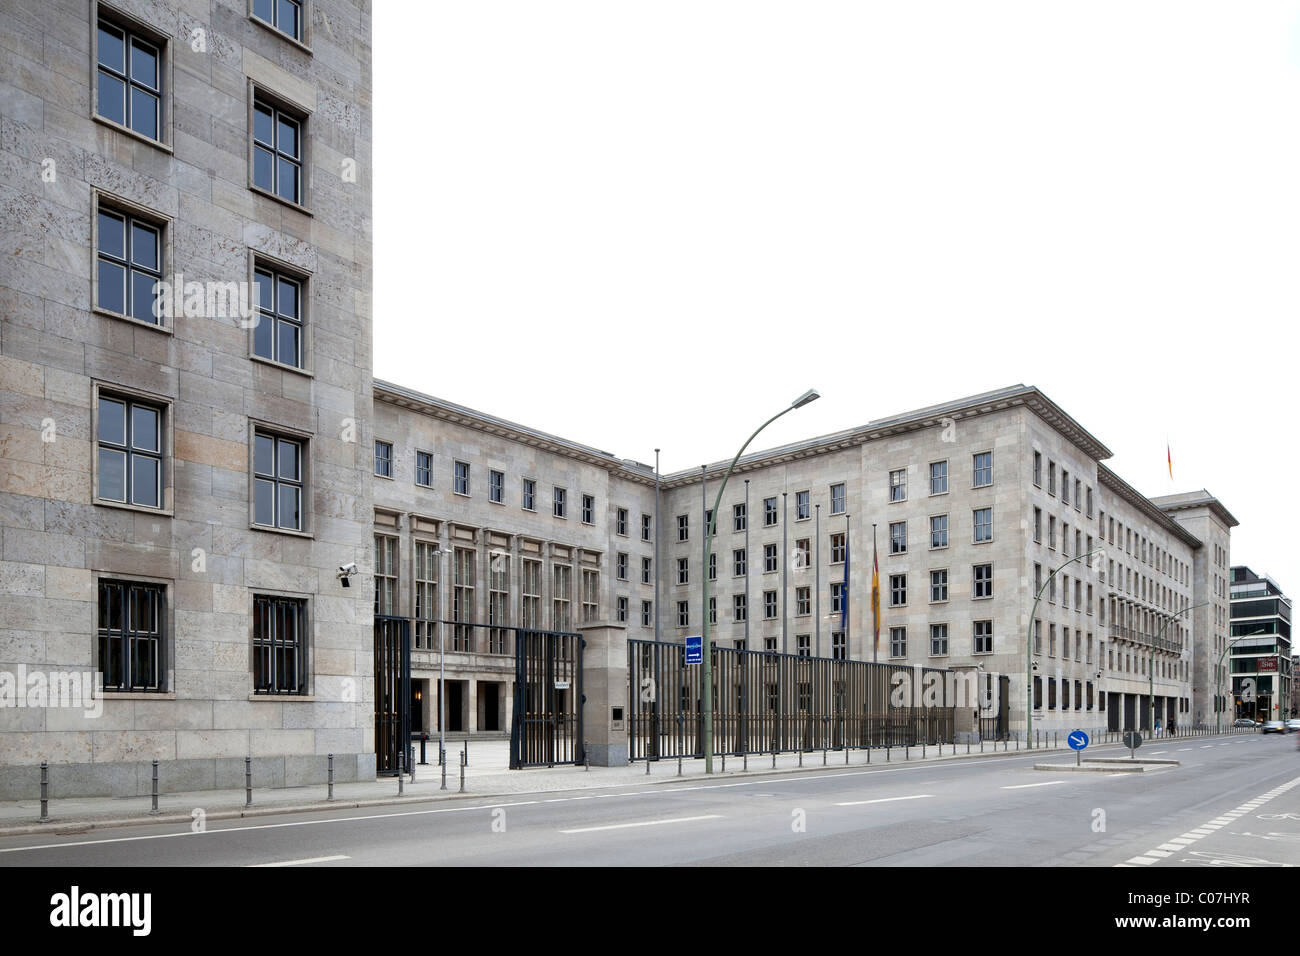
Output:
[[1084, 768]]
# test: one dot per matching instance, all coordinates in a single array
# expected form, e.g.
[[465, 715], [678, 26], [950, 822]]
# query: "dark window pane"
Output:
[[290, 517], [263, 336], [112, 421], [112, 475], [144, 481], [264, 494], [112, 52], [264, 455], [288, 19], [288, 460], [142, 297], [262, 125], [144, 113], [265, 290], [288, 298], [262, 9], [144, 64], [287, 187], [144, 428], [112, 98], [144, 246], [112, 235], [263, 169], [112, 287], [288, 141], [288, 343]]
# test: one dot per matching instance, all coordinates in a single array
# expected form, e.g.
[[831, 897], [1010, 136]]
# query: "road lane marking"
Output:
[[312, 859], [859, 803], [644, 823], [1184, 750], [1022, 786]]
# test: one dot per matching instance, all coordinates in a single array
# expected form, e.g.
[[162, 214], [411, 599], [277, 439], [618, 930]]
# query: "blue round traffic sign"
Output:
[[1077, 740]]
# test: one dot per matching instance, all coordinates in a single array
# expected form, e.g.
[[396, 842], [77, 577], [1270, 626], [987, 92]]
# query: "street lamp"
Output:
[[1151, 666], [1030, 666], [1218, 718], [804, 399]]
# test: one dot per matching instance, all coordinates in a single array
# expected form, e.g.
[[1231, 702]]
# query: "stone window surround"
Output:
[[169, 637], [281, 431], [258, 93], [308, 650], [166, 483], [304, 17], [114, 203], [392, 457], [103, 11], [303, 277]]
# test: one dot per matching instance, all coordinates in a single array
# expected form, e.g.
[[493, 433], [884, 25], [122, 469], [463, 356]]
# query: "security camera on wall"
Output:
[[346, 571]]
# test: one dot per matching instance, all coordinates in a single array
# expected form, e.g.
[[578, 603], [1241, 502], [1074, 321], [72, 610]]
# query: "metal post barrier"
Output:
[[745, 762], [153, 812], [464, 762], [1004, 745], [923, 750], [424, 738], [586, 756], [410, 762], [442, 759], [248, 781], [401, 782], [45, 792], [773, 755], [467, 751], [724, 761], [800, 756], [888, 757], [331, 777], [647, 765], [907, 752]]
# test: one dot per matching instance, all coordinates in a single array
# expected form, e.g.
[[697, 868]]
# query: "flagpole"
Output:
[[746, 564], [875, 599], [817, 586]]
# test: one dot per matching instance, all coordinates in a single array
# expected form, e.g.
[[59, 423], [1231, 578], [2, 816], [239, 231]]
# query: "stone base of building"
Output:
[[607, 755]]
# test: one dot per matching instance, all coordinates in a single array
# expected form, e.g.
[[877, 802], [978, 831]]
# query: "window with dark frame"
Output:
[[129, 450], [983, 586], [460, 474], [529, 497], [423, 468], [769, 512], [620, 524], [983, 637], [982, 469], [839, 500], [496, 486], [384, 459], [277, 336], [938, 640], [129, 71], [128, 259], [588, 509], [279, 645], [132, 632], [277, 482], [284, 15], [277, 151]]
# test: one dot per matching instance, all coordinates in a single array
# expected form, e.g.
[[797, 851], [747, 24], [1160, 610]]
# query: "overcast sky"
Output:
[[655, 223]]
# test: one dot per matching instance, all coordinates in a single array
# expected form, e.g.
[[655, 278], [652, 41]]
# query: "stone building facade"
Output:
[[183, 469]]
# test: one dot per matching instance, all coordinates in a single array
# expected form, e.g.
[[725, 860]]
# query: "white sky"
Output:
[[721, 204]]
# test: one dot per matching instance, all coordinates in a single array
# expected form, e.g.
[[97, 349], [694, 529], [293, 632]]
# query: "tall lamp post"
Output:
[[1218, 714], [1151, 666], [804, 399], [1029, 647]]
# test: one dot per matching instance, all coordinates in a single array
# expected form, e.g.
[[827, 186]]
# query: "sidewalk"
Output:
[[486, 776]]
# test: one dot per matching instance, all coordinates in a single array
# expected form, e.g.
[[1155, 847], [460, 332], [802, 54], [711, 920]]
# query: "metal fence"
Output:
[[546, 727], [764, 701], [392, 693]]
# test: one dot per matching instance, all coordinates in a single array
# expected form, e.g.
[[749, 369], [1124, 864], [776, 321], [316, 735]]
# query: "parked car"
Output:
[[1272, 727], [1292, 725], [1243, 722]]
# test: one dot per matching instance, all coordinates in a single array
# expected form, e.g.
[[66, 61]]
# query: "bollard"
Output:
[[464, 762], [774, 756], [410, 761], [922, 750], [331, 777], [868, 755], [800, 756], [967, 746], [887, 754], [907, 752], [401, 782], [442, 759], [1004, 746], [154, 811], [647, 765], [745, 764], [248, 781], [724, 761], [45, 793], [1056, 740], [424, 739], [586, 756], [982, 745]]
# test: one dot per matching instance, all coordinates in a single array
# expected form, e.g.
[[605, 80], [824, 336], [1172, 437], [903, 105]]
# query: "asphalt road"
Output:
[[990, 811]]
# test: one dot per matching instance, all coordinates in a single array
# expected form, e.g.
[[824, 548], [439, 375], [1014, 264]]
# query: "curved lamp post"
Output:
[[1151, 666], [1029, 648], [1218, 715], [807, 397]]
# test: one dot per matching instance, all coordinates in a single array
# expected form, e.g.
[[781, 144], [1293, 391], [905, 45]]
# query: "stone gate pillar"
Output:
[[604, 684]]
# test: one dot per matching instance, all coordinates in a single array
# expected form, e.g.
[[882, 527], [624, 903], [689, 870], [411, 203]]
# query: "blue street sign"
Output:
[[1077, 740], [695, 649]]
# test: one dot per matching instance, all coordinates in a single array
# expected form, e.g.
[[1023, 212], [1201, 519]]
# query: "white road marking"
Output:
[[1156, 752], [644, 823], [313, 859], [1184, 750], [1047, 783], [859, 803]]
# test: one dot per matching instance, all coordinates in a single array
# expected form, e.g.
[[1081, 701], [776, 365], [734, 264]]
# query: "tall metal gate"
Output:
[[392, 693], [546, 728], [765, 701]]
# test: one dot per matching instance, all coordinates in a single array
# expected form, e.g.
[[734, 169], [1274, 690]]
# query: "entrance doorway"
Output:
[[489, 697]]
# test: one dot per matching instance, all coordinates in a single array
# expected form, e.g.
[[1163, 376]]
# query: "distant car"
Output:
[[1292, 725], [1273, 727], [1243, 722]]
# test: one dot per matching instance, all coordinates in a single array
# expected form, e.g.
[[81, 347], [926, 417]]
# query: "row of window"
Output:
[[981, 476], [1142, 549], [1083, 694], [1080, 489], [981, 639], [771, 512]]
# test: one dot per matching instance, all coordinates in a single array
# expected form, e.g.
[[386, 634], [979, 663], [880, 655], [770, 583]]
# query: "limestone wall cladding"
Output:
[[54, 347]]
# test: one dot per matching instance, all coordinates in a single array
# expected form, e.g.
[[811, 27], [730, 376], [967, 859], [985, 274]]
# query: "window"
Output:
[[424, 469], [683, 527], [983, 587], [132, 626], [497, 487], [620, 522], [769, 605], [1089, 492], [769, 558], [277, 152], [838, 547], [1051, 477], [284, 15], [683, 614], [278, 334], [129, 452], [621, 566], [803, 645], [838, 499], [1065, 487], [1038, 469], [530, 589], [384, 459], [739, 518], [588, 509], [709, 526], [129, 80], [938, 640], [590, 594], [802, 506], [802, 554], [713, 610], [938, 477], [802, 601], [839, 651], [939, 531], [898, 642], [837, 597], [425, 593], [1038, 525], [769, 512], [939, 585], [683, 571], [462, 599], [1051, 532], [898, 485], [1038, 579], [1038, 693], [983, 637], [713, 565], [739, 562], [1038, 637], [982, 469], [1078, 503], [898, 537], [983, 524], [646, 611], [529, 502], [739, 607], [1051, 640], [385, 575], [645, 571], [769, 644], [277, 482], [279, 645], [897, 590], [559, 502], [561, 596], [460, 484], [622, 609], [646, 525], [129, 264]]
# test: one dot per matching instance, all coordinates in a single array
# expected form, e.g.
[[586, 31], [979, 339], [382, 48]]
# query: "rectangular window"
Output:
[[839, 500], [739, 562], [462, 599], [620, 522], [621, 566], [769, 644], [683, 614], [683, 571], [898, 537], [460, 483], [129, 263], [130, 451], [277, 151], [709, 527], [497, 487], [898, 485], [278, 481], [279, 645], [129, 80], [803, 645], [983, 637], [1078, 502], [938, 531], [423, 469], [132, 645], [425, 594], [561, 596], [898, 642], [802, 554], [983, 524], [983, 587], [588, 509], [839, 651], [385, 575], [590, 595], [769, 558], [769, 512], [559, 502], [1038, 637], [713, 565], [622, 610], [278, 334], [646, 525], [1089, 493], [498, 602], [1038, 469], [938, 477], [529, 497], [1051, 640], [939, 585], [739, 607], [982, 469], [530, 585], [897, 590], [384, 459], [1051, 532], [802, 601], [837, 597], [769, 605], [284, 15], [802, 505], [645, 571], [1065, 487], [838, 547], [646, 612], [683, 527], [1051, 478], [938, 640], [739, 519], [1038, 525]]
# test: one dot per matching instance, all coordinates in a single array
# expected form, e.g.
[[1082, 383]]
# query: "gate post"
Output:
[[605, 693]]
